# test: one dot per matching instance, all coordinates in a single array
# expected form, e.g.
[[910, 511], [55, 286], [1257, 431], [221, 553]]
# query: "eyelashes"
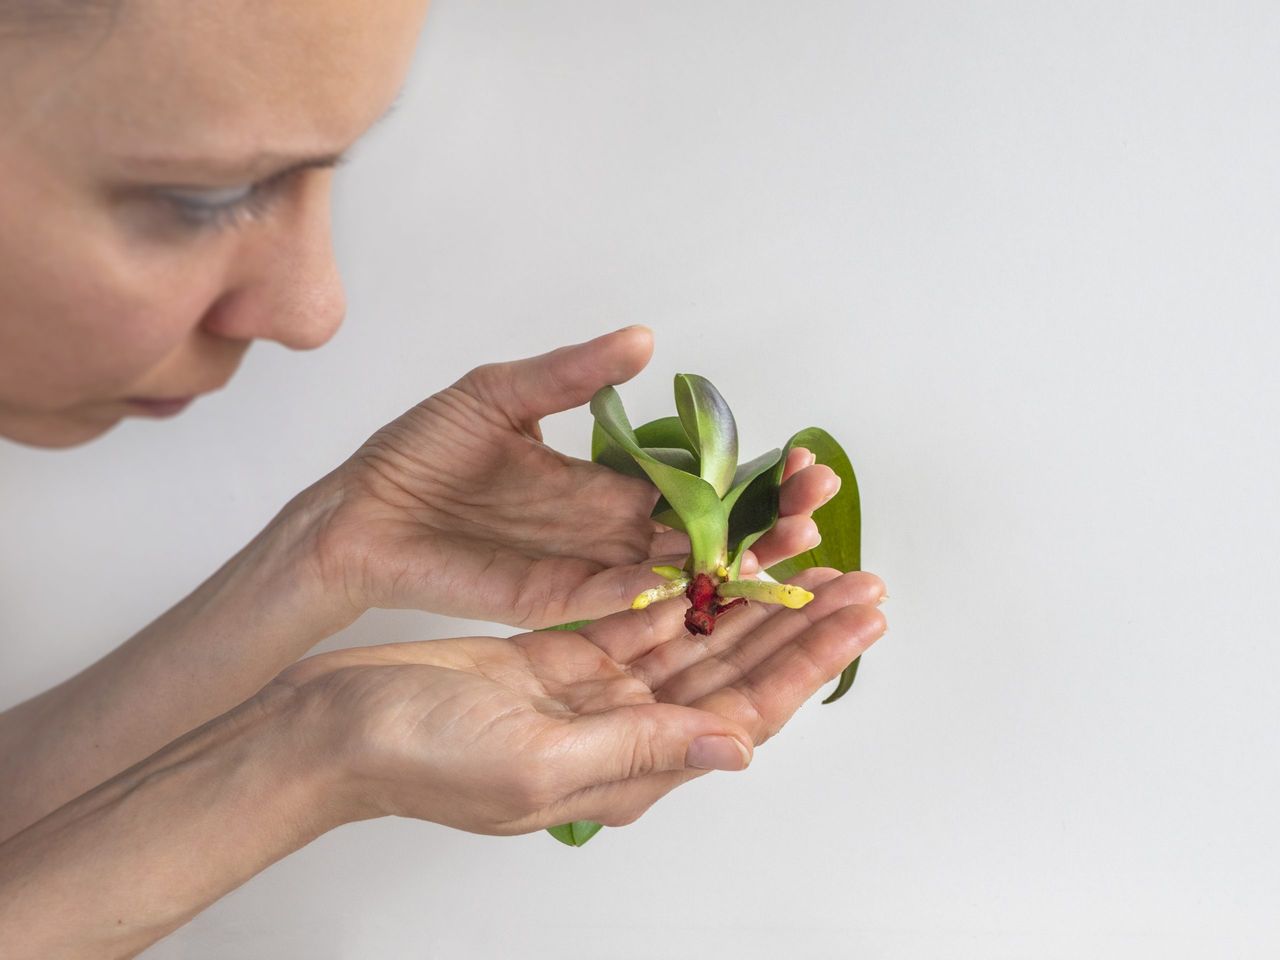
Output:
[[224, 208], [196, 210]]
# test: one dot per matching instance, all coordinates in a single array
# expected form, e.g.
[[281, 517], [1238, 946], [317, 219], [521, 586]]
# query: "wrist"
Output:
[[142, 853], [281, 732], [325, 732], [282, 578]]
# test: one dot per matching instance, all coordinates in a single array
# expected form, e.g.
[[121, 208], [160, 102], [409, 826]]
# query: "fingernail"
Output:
[[716, 753], [811, 460], [883, 598]]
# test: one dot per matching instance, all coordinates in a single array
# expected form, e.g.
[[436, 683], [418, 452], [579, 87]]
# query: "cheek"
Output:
[[84, 315]]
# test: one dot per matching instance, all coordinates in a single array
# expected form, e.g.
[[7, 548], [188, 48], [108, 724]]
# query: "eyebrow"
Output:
[[258, 165]]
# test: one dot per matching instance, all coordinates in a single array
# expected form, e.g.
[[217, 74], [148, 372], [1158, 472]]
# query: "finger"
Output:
[[602, 593], [765, 698], [632, 634], [680, 672], [527, 390], [669, 543], [797, 460], [641, 739], [619, 804], [763, 702], [789, 537], [655, 645], [807, 490]]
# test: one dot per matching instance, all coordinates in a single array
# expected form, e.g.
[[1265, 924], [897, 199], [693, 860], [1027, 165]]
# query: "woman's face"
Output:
[[165, 170]]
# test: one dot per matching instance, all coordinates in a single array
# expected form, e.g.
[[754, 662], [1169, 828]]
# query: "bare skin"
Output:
[[165, 204], [166, 198], [416, 530], [488, 735]]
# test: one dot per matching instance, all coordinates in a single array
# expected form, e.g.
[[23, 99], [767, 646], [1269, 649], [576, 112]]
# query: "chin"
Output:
[[52, 431]]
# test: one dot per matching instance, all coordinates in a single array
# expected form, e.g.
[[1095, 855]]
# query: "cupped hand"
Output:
[[458, 507], [507, 736]]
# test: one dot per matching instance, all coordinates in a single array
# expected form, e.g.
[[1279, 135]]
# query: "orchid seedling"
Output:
[[724, 507]]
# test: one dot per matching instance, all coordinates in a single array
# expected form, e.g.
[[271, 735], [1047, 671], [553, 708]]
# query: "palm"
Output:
[[459, 508], [468, 517], [507, 735]]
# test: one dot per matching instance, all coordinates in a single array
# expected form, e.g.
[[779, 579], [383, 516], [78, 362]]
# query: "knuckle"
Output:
[[641, 754], [483, 380]]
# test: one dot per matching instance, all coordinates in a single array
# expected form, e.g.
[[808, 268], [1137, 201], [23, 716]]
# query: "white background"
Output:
[[1020, 257]]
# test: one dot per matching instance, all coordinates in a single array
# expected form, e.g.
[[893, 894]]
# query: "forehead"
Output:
[[175, 76]]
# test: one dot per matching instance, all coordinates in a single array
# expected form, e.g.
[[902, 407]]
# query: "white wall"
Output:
[[1021, 257]]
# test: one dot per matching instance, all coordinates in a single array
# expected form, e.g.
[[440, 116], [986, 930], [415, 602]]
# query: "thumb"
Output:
[[528, 390], [629, 742]]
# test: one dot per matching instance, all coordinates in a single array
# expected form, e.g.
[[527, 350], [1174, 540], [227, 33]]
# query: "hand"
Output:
[[458, 507], [508, 736]]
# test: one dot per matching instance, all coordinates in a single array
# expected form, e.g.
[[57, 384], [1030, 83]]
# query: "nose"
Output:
[[284, 285]]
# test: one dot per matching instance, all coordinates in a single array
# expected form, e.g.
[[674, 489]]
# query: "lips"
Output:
[[159, 406]]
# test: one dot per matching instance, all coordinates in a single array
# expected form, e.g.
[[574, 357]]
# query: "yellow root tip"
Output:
[[794, 597]]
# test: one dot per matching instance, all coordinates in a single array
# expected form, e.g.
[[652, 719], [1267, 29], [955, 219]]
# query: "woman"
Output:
[[164, 203]]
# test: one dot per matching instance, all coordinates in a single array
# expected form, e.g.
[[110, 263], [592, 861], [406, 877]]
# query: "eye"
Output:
[[201, 208], [196, 209]]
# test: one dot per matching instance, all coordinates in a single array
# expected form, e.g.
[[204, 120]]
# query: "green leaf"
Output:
[[693, 498], [575, 625], [660, 434], [662, 513], [840, 523], [668, 432], [675, 457], [575, 834], [755, 506], [665, 440], [748, 472], [709, 423], [665, 432], [607, 453], [757, 481], [846, 681]]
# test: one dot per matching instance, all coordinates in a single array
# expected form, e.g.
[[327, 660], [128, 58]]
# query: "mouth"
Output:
[[159, 406]]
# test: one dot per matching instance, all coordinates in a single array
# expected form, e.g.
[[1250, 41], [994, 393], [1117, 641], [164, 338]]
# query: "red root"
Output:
[[705, 606]]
